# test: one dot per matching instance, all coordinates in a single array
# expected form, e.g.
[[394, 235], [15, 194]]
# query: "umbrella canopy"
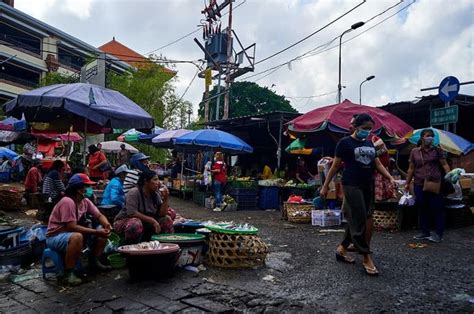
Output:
[[55, 136], [13, 124], [114, 147], [68, 102], [131, 135], [447, 141], [167, 139], [5, 152], [337, 118], [212, 139], [8, 136], [146, 138]]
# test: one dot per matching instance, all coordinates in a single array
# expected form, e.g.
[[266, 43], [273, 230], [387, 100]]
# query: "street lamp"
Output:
[[360, 87], [353, 27]]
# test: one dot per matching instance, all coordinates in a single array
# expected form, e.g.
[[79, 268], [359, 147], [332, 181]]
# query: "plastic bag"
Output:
[[407, 200], [35, 233]]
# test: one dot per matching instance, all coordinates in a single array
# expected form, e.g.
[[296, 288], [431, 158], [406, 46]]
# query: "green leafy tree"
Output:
[[247, 98]]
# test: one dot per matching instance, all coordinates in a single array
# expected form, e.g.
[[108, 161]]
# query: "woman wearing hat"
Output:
[[68, 230], [139, 163], [114, 193]]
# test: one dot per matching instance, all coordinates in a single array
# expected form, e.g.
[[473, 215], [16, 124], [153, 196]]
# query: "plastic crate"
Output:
[[247, 205], [245, 198], [326, 218], [268, 198], [200, 197], [458, 217]]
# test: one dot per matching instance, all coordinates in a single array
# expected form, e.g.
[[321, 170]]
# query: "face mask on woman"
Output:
[[362, 134], [428, 140]]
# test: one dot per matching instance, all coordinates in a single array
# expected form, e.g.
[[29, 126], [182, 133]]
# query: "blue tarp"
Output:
[[216, 140], [5, 152], [102, 106]]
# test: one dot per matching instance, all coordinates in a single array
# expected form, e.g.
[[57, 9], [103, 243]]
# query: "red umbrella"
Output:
[[337, 118]]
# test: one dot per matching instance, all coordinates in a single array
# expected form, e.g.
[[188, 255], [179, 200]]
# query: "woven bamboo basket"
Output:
[[298, 213], [10, 199], [236, 251], [386, 219]]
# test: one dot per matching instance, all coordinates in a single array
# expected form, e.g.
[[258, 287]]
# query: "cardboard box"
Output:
[[331, 195], [465, 183]]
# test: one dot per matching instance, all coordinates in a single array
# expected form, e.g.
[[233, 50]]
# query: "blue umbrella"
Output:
[[211, 139], [167, 139], [5, 152], [68, 102], [146, 138]]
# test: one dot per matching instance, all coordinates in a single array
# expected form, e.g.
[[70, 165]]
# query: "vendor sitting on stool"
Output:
[[114, 193], [145, 212], [68, 228]]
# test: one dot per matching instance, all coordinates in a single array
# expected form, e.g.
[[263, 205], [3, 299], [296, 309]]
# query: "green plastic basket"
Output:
[[114, 238], [117, 261], [220, 228], [178, 237]]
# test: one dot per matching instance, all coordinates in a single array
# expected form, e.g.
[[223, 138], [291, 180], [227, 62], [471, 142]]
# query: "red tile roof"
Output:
[[127, 55]]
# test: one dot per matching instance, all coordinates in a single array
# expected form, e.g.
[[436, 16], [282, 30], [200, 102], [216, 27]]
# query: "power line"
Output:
[[310, 35], [312, 52], [313, 96], [188, 34]]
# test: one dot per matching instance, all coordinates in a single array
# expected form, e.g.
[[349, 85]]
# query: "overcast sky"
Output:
[[414, 49]]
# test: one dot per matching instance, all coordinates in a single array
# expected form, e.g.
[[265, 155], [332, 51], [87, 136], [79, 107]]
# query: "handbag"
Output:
[[105, 167], [429, 185]]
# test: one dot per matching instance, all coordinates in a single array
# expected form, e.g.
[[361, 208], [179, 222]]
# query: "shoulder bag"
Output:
[[429, 185]]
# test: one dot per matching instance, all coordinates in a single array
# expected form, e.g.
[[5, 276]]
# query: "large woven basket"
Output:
[[297, 213], [10, 199], [386, 219], [236, 251]]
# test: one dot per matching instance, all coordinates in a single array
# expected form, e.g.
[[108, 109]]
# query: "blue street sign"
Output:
[[448, 88]]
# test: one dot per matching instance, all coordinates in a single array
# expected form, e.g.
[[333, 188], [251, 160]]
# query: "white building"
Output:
[[30, 48]]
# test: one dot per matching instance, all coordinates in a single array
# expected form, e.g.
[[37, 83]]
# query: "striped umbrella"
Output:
[[447, 141]]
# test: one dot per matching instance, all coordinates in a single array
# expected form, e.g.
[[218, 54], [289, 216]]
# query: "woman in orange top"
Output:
[[97, 159]]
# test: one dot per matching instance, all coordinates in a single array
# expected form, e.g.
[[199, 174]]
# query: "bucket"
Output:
[[192, 246]]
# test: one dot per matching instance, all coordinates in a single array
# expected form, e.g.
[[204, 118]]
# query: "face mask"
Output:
[[428, 140], [362, 134]]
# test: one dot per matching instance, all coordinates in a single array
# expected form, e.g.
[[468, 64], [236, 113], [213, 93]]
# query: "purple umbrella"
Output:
[[167, 139]]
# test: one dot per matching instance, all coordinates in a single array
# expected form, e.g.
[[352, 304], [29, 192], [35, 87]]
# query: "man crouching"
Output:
[[69, 229]]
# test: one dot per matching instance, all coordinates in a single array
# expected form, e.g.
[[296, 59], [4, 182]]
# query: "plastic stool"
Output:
[[58, 264]]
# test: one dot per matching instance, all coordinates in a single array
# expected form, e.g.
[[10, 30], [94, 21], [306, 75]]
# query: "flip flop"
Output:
[[371, 271], [344, 258], [351, 248]]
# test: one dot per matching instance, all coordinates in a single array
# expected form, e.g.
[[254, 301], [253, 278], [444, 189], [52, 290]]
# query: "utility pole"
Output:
[[228, 79]]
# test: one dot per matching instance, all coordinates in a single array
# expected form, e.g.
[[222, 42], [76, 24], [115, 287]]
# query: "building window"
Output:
[[70, 59], [12, 73], [18, 39]]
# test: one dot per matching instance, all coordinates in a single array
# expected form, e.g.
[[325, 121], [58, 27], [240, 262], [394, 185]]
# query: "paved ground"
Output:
[[301, 273]]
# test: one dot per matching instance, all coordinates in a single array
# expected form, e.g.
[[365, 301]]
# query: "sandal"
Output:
[[344, 258], [371, 271], [351, 248]]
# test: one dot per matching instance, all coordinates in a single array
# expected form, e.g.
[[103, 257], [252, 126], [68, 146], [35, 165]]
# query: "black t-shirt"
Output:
[[359, 161]]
